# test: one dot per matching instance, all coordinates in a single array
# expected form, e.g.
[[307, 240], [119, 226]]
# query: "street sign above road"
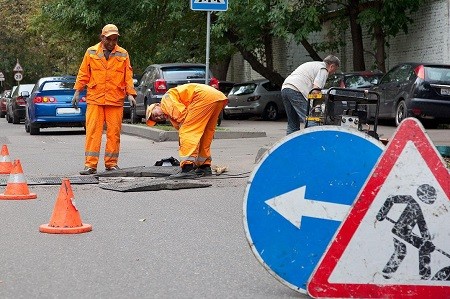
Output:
[[18, 68], [209, 5], [394, 242], [298, 195]]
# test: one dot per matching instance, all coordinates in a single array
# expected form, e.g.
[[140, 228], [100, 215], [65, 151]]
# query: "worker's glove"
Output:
[[76, 99], [131, 100]]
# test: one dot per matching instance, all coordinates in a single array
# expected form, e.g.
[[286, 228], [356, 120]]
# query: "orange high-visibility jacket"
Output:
[[108, 81], [176, 101]]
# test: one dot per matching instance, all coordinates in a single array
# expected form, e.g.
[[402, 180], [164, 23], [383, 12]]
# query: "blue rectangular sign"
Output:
[[211, 5]]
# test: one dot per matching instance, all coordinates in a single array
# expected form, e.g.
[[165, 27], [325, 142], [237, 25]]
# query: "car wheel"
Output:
[[27, 121], [133, 116], [225, 116], [34, 130], [400, 113], [219, 120], [15, 119], [270, 112]]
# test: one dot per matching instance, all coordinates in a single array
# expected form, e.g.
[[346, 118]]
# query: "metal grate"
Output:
[[54, 180]]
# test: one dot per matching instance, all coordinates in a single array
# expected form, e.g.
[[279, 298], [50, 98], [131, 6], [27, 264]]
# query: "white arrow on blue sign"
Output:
[[298, 195], [209, 5]]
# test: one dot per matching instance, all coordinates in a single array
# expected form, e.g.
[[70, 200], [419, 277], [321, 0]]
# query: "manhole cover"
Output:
[[54, 180]]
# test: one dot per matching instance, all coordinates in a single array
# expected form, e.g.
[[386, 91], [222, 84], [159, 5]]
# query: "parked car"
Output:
[[420, 90], [50, 105], [3, 97], [258, 97], [363, 79], [158, 78], [7, 99], [15, 105], [225, 87], [126, 104]]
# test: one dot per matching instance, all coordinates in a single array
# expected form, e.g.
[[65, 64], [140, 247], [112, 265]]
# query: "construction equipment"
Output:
[[343, 107]]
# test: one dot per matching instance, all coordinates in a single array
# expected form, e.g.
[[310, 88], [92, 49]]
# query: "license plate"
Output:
[[445, 91], [61, 111]]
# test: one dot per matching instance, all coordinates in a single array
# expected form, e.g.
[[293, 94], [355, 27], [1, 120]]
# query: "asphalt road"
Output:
[[158, 244]]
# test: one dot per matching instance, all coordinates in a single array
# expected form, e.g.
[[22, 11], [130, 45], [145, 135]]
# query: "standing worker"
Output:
[[107, 73], [299, 84], [193, 109]]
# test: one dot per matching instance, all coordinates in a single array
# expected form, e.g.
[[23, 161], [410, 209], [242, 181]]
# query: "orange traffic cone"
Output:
[[65, 218], [5, 162], [17, 187]]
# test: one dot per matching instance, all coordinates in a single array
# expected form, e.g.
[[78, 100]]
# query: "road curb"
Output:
[[161, 135]]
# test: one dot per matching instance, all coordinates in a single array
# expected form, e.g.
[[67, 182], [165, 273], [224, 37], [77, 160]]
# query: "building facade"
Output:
[[427, 40]]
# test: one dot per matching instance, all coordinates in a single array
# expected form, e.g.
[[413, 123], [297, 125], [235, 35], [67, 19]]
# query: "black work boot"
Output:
[[187, 172], [204, 170]]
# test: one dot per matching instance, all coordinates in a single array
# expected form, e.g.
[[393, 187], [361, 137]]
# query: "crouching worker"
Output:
[[193, 109]]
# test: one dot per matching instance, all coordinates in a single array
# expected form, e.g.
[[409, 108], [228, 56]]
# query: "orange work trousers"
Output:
[[96, 117], [197, 132]]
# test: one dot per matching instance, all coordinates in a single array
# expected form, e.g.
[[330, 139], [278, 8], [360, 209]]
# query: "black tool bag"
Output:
[[168, 162]]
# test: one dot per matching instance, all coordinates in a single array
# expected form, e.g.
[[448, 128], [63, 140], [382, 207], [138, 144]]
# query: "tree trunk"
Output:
[[380, 53], [357, 40], [312, 53], [254, 62], [220, 68]]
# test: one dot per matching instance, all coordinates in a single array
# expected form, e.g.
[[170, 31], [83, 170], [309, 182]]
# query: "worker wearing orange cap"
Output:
[[107, 73], [193, 109]]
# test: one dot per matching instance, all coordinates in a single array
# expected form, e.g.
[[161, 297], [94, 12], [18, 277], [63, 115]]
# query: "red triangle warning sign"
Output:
[[395, 241]]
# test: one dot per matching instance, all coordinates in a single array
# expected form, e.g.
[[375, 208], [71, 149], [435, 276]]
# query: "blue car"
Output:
[[50, 105]]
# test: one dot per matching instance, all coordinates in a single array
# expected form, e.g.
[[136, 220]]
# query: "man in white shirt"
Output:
[[299, 84]]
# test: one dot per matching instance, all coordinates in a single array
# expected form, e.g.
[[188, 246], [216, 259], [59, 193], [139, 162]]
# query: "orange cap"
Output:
[[148, 115], [110, 29]]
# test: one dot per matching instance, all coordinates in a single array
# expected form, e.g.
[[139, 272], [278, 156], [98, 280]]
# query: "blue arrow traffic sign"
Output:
[[298, 195]]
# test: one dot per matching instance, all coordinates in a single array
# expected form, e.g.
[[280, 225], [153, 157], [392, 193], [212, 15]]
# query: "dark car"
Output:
[[127, 109], [158, 78], [363, 79], [5, 94], [255, 98], [50, 105], [420, 90], [15, 105]]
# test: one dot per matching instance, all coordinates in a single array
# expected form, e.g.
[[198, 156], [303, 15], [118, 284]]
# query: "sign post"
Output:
[[208, 6]]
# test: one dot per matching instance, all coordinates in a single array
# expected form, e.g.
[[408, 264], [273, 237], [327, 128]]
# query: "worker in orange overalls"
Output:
[[107, 73], [193, 109]]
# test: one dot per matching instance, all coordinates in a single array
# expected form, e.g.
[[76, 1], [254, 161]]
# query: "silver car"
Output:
[[255, 98]]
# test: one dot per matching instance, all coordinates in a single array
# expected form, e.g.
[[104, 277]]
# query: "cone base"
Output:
[[4, 196], [84, 228]]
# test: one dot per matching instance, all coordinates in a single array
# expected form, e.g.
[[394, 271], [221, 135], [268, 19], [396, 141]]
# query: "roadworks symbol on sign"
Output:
[[394, 243], [18, 68]]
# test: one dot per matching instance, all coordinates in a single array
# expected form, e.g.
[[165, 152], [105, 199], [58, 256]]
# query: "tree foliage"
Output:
[[49, 37]]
